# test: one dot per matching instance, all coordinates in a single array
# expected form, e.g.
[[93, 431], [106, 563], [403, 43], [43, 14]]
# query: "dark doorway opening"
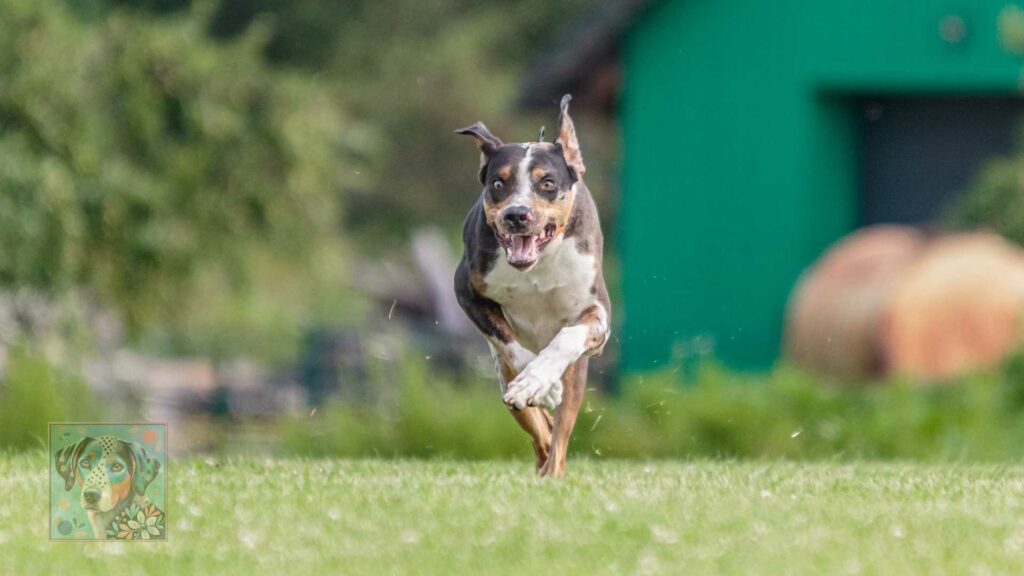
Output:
[[919, 153]]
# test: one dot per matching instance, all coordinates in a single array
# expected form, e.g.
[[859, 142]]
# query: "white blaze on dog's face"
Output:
[[104, 474], [528, 198], [529, 188]]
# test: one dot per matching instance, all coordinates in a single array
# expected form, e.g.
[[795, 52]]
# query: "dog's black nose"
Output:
[[518, 215], [91, 496]]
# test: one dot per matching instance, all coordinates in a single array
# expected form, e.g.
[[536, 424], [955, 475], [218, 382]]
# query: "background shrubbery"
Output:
[[784, 414], [34, 393], [996, 197], [213, 171], [176, 178]]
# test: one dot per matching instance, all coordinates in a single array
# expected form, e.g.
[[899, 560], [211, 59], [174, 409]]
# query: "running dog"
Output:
[[530, 280]]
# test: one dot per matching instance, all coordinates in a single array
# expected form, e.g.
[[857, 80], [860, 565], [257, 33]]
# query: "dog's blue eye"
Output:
[[497, 184]]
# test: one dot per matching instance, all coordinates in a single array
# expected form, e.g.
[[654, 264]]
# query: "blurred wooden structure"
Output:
[[837, 308], [888, 300], [958, 308]]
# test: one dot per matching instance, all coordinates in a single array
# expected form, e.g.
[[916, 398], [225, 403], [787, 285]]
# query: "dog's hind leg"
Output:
[[535, 421], [574, 383]]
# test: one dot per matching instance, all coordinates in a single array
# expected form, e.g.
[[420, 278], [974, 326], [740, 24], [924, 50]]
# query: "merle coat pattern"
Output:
[[531, 281]]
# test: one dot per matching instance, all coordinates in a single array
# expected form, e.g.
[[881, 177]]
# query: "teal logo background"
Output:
[[124, 513]]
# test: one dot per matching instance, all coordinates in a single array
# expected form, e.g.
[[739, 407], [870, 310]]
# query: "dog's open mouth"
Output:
[[523, 250]]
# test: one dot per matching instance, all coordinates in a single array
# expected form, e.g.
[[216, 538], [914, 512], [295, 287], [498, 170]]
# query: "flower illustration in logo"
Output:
[[66, 526], [136, 523]]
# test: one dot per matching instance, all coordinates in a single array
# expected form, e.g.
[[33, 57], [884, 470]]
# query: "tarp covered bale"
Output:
[[957, 308], [837, 308]]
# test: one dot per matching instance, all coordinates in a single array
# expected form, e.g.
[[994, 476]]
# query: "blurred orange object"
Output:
[[958, 308], [837, 308]]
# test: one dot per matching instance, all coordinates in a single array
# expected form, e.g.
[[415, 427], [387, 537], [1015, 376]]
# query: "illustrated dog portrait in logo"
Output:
[[109, 482]]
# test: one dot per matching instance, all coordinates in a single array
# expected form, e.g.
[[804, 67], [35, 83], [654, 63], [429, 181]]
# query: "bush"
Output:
[[432, 416], [150, 165], [33, 393], [788, 414], [995, 199], [785, 414]]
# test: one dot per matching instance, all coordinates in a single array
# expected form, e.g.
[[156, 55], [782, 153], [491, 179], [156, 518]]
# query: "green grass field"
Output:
[[254, 516]]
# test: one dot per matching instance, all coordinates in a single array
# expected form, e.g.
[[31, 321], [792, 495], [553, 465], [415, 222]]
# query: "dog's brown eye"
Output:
[[497, 185], [84, 463], [117, 467], [548, 185]]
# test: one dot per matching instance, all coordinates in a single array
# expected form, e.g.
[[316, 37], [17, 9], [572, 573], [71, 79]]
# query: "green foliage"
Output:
[[208, 168], [33, 393], [419, 69], [445, 65], [996, 198], [1011, 29], [265, 318], [433, 417], [786, 414], [136, 153], [416, 70]]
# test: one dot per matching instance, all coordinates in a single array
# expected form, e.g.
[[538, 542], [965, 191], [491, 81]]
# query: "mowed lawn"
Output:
[[292, 516]]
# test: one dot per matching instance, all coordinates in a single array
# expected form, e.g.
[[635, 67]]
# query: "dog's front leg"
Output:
[[510, 358], [565, 361], [540, 383], [537, 422]]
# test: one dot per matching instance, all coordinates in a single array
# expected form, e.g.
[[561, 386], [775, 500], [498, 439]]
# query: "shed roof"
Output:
[[590, 46]]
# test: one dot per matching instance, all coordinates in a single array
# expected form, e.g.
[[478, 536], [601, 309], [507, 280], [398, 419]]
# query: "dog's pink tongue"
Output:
[[523, 250]]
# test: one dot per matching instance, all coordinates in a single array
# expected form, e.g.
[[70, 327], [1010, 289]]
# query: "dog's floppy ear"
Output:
[[568, 142], [67, 459], [146, 468], [486, 142]]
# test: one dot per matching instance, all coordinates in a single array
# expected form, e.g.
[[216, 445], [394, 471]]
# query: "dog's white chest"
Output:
[[542, 300]]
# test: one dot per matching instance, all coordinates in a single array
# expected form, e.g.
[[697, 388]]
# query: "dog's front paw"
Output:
[[535, 386], [554, 396]]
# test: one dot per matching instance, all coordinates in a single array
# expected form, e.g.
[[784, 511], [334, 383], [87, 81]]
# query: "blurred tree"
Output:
[[416, 69], [303, 31], [189, 162], [138, 157]]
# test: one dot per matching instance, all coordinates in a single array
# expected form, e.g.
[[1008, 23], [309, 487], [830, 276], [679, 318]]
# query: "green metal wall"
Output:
[[740, 151]]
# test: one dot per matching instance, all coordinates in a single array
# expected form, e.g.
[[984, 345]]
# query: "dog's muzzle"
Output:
[[91, 498], [523, 250]]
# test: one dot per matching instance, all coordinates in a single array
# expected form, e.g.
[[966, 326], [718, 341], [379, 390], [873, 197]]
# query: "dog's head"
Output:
[[529, 188], [108, 469]]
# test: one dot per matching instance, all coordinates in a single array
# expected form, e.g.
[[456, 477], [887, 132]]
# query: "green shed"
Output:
[[754, 133]]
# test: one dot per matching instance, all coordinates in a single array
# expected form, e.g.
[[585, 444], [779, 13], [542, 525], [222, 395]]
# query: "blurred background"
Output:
[[241, 217]]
